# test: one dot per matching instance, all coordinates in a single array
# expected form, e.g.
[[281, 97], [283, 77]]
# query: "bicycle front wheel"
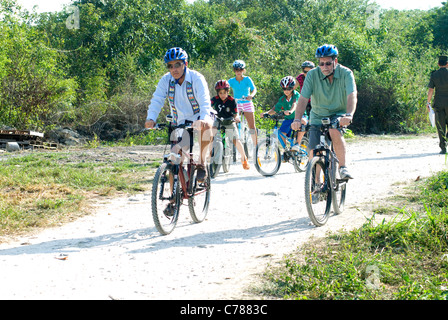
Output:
[[301, 158], [317, 192], [165, 199], [216, 159], [199, 197], [267, 157], [227, 157], [338, 190], [248, 144]]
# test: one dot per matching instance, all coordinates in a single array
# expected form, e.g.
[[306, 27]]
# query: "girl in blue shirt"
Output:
[[243, 91]]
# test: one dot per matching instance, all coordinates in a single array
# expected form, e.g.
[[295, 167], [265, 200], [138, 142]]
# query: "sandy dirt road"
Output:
[[117, 253]]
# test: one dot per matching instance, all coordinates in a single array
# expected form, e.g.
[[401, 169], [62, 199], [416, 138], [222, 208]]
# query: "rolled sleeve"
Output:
[[350, 84]]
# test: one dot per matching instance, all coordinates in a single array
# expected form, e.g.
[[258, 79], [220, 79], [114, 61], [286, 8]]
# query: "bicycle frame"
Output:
[[243, 123], [177, 161], [325, 148], [322, 184], [280, 136]]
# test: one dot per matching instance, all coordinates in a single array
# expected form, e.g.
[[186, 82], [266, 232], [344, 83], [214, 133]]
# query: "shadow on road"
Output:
[[152, 241]]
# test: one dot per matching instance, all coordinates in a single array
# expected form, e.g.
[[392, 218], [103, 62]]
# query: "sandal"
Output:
[[246, 165]]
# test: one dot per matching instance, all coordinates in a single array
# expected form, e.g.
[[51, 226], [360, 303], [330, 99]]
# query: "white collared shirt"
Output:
[[181, 101]]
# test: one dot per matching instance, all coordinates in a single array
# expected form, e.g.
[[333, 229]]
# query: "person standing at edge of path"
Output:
[[439, 82], [189, 100], [332, 90]]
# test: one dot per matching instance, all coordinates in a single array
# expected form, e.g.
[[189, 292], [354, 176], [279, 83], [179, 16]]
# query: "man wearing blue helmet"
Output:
[[188, 96], [332, 90]]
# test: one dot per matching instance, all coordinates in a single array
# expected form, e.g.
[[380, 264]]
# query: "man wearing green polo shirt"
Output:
[[332, 90]]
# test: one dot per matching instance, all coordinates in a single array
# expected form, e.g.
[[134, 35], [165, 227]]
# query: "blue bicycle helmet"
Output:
[[176, 53], [239, 64], [327, 50]]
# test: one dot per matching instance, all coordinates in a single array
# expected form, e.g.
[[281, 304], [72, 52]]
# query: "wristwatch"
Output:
[[349, 115]]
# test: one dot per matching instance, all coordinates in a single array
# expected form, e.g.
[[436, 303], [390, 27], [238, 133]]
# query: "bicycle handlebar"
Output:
[[221, 119], [277, 116], [332, 122]]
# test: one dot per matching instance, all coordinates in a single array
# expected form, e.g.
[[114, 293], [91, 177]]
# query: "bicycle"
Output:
[[321, 194], [268, 155], [222, 148], [175, 182]]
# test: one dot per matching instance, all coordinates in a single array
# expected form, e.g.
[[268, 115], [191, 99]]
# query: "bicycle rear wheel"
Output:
[[199, 197], [338, 190], [165, 199], [216, 159], [267, 157], [317, 192], [301, 158]]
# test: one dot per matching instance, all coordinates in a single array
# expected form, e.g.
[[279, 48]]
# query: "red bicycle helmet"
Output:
[[222, 84]]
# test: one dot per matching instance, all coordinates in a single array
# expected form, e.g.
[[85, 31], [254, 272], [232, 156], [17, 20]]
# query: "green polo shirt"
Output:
[[284, 105], [327, 98]]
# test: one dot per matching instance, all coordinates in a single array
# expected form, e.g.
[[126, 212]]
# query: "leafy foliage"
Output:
[[98, 76]]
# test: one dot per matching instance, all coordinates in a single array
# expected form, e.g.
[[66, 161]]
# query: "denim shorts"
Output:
[[314, 136]]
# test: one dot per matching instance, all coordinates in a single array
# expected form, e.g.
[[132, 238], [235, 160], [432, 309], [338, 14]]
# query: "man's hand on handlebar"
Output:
[[150, 124], [345, 121], [201, 125]]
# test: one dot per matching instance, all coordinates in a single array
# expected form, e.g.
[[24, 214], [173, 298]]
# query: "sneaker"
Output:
[[296, 147], [201, 173], [343, 171], [169, 210]]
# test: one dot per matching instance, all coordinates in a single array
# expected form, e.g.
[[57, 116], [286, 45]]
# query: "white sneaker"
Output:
[[295, 147], [343, 171]]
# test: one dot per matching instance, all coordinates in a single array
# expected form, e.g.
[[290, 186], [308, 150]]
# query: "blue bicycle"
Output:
[[268, 156]]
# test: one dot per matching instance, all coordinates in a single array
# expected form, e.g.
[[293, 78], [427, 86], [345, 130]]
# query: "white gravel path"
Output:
[[117, 253]]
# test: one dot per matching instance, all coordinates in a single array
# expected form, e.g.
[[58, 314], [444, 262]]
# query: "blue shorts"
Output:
[[286, 127]]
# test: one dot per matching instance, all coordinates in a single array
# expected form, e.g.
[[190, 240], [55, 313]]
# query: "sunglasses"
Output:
[[321, 64], [177, 65], [287, 89]]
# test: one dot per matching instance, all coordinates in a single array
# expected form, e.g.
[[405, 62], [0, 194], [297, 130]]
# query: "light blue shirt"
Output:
[[181, 101], [241, 88]]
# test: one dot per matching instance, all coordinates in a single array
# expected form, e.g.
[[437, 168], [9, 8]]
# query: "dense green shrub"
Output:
[[100, 76]]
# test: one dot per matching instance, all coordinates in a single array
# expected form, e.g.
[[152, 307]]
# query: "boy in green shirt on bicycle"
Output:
[[287, 104]]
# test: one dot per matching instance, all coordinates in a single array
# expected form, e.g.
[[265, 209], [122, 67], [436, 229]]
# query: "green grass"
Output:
[[45, 189], [405, 258]]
